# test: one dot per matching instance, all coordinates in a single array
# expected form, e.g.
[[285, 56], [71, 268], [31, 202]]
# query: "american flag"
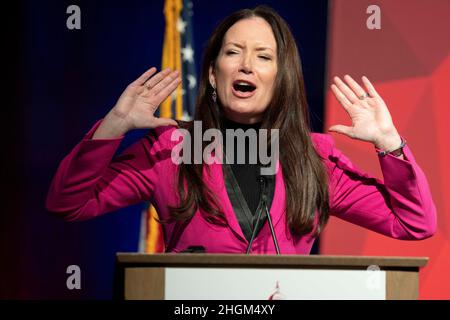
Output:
[[189, 74], [178, 54]]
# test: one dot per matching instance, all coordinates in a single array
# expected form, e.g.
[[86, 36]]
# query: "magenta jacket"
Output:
[[90, 181]]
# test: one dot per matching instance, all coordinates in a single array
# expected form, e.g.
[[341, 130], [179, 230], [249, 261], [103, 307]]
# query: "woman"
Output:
[[251, 79]]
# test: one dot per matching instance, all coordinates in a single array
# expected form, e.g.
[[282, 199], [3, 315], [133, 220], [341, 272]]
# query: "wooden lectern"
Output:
[[192, 276]]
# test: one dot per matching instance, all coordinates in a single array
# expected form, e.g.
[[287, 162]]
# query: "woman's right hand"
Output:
[[136, 106]]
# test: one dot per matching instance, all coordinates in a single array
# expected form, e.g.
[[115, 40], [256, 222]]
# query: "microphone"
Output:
[[194, 249], [262, 180], [272, 230]]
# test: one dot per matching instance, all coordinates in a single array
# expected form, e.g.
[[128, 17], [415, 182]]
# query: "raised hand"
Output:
[[136, 106], [371, 120]]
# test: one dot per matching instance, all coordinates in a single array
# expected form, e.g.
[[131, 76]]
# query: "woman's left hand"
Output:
[[371, 120]]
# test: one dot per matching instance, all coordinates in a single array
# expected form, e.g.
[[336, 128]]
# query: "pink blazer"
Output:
[[90, 182]]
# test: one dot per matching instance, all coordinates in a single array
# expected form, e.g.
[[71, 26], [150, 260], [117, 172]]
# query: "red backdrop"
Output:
[[408, 61]]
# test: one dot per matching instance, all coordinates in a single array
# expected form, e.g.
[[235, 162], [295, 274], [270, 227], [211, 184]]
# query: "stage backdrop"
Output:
[[408, 61]]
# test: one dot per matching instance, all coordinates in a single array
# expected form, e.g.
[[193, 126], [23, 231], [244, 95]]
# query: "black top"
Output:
[[250, 193], [246, 174]]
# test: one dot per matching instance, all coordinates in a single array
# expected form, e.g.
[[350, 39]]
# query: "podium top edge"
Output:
[[268, 260]]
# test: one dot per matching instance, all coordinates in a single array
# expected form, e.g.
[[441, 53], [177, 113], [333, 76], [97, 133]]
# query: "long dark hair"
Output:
[[303, 170]]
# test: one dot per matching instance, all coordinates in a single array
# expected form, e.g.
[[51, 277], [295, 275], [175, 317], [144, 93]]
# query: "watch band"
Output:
[[396, 152]]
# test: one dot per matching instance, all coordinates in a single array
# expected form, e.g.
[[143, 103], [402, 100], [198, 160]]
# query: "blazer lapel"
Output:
[[218, 184]]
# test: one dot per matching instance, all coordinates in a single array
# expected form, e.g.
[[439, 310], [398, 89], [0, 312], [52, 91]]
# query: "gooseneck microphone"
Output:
[[264, 208], [272, 230], [255, 228]]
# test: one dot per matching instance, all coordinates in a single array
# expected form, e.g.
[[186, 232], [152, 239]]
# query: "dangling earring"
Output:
[[214, 95]]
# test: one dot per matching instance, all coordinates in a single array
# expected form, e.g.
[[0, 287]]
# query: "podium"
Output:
[[198, 276]]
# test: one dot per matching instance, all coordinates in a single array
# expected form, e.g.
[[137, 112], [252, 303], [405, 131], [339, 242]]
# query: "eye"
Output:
[[230, 52], [265, 57]]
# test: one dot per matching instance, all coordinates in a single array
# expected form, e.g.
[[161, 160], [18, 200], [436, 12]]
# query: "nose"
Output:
[[246, 64]]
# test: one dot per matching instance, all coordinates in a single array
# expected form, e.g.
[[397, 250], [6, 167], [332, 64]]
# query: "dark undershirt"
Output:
[[246, 174]]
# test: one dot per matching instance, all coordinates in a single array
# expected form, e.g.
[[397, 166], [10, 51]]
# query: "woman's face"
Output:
[[245, 70]]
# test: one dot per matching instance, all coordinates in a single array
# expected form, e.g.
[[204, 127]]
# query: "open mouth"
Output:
[[243, 86]]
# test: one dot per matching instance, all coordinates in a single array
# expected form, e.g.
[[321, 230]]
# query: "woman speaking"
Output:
[[251, 79]]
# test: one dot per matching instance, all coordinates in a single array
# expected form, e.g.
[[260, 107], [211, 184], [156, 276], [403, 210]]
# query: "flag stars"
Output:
[[181, 25], [186, 116], [192, 82], [188, 54], [190, 6]]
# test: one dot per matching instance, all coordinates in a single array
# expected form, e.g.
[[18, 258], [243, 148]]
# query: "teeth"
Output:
[[241, 83]]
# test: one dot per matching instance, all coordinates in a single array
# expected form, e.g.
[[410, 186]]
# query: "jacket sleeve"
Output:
[[90, 181], [399, 207]]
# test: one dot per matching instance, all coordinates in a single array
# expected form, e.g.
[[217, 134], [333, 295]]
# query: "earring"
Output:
[[214, 95]]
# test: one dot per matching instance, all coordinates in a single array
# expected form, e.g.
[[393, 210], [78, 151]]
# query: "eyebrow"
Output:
[[259, 48]]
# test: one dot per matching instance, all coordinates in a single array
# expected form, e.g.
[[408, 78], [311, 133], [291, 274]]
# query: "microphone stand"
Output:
[[275, 242], [272, 230]]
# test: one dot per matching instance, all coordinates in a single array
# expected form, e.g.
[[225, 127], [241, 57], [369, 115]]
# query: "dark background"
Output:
[[59, 83]]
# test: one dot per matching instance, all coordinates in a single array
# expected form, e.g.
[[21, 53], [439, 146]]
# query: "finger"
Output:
[[349, 94], [339, 128], [370, 87], [147, 74], [166, 91], [165, 82], [354, 86], [341, 98], [153, 81], [165, 122]]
